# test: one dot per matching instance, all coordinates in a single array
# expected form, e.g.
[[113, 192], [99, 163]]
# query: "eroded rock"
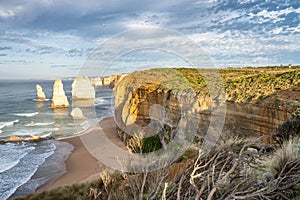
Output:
[[77, 113], [40, 94], [82, 88], [59, 99]]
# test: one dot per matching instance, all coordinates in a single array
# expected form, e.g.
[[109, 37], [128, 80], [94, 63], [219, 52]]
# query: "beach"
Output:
[[81, 166]]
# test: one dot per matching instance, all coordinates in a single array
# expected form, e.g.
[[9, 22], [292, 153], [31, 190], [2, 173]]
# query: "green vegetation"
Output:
[[242, 85]]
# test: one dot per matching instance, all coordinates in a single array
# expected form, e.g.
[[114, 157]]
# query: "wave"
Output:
[[99, 101], [39, 124], [25, 170], [46, 135], [8, 165], [26, 114], [35, 131], [44, 124], [40, 100], [7, 124]]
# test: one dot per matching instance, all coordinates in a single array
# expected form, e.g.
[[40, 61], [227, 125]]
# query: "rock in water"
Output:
[[82, 88], [40, 94], [59, 99], [34, 138], [32, 123], [14, 138], [77, 113]]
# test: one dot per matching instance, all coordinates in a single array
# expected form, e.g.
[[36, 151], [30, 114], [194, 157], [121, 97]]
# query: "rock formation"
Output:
[[32, 123], [82, 88], [77, 113], [14, 138], [112, 79], [138, 92], [40, 94], [59, 98], [143, 99], [97, 81], [34, 138]]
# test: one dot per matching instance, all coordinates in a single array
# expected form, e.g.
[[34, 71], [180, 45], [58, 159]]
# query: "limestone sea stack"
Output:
[[77, 113], [59, 99], [82, 88], [40, 94]]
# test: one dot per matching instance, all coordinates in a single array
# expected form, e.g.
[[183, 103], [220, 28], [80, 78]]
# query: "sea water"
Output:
[[25, 166]]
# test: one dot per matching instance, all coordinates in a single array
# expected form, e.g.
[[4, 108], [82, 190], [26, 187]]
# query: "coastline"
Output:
[[81, 166]]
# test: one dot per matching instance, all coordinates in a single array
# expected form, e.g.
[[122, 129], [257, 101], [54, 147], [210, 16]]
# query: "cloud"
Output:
[[232, 32], [64, 66], [5, 48], [3, 54]]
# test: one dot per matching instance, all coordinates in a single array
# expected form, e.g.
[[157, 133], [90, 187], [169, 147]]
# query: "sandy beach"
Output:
[[81, 165]]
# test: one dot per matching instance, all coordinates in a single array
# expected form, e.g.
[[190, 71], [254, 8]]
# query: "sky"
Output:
[[44, 39]]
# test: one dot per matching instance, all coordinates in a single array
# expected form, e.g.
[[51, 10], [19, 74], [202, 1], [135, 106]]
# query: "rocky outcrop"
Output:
[[77, 113], [59, 98], [138, 92], [32, 123], [14, 138], [143, 99], [17, 139], [107, 80], [97, 81], [82, 88], [40, 94]]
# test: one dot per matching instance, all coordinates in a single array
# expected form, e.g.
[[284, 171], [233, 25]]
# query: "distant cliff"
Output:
[[107, 80], [258, 99]]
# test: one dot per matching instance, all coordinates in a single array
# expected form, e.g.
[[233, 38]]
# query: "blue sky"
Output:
[[44, 39]]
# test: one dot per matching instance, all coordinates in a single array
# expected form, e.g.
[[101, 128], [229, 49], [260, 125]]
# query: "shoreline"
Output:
[[81, 166]]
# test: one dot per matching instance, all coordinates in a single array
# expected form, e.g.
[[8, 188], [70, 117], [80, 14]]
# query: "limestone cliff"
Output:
[[256, 103], [82, 88], [40, 94], [59, 98], [97, 81]]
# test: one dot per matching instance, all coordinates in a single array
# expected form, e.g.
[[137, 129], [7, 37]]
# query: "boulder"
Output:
[[32, 123], [34, 138], [14, 138], [77, 113], [59, 99], [82, 88], [40, 94]]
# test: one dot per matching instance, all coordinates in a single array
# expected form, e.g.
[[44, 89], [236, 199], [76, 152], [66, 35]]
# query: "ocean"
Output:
[[25, 166]]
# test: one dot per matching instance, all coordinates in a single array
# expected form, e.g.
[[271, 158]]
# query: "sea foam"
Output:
[[27, 114], [8, 124], [22, 172]]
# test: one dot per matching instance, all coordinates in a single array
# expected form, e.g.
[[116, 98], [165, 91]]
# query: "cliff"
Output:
[[59, 98], [107, 80], [258, 99]]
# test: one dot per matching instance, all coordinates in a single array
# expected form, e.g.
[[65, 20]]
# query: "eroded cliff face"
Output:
[[146, 101], [107, 80], [142, 96]]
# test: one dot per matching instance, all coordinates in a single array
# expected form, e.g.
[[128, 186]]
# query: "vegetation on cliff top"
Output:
[[256, 85], [272, 86]]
